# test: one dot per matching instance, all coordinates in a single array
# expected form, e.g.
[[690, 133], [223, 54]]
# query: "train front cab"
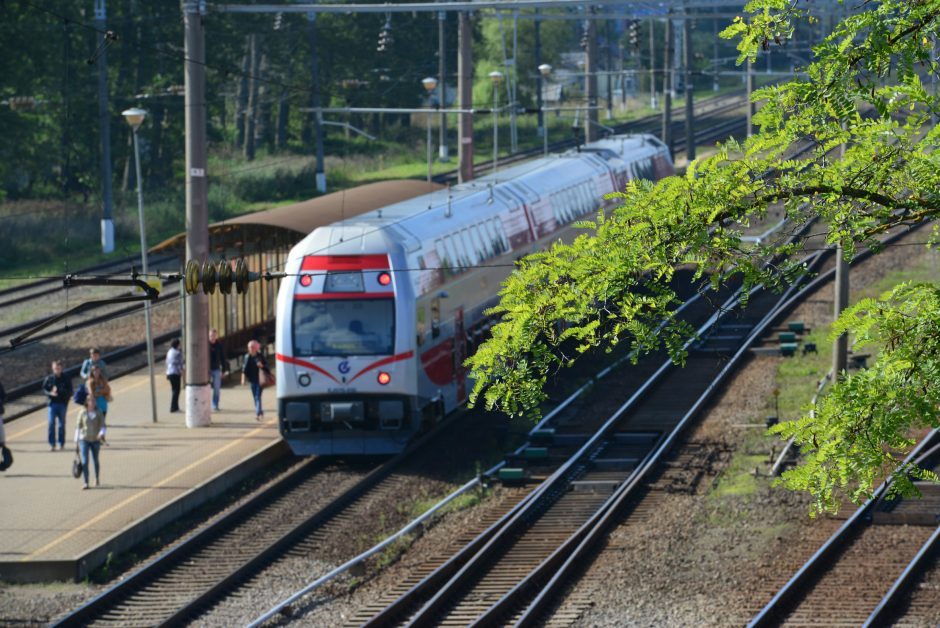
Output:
[[346, 391]]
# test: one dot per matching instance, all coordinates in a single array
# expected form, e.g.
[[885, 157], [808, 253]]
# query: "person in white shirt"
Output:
[[174, 373]]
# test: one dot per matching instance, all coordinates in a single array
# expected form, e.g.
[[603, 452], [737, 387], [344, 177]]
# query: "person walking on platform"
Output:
[[99, 389], [174, 373], [218, 366], [254, 370], [93, 359], [6, 458], [58, 389], [90, 431]]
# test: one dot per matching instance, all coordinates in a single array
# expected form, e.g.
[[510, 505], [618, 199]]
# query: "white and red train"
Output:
[[379, 312]]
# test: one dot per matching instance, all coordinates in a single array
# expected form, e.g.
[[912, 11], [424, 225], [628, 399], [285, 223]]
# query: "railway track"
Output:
[[22, 293], [507, 576], [854, 578]]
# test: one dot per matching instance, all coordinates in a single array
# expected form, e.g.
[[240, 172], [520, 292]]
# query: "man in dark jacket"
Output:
[[218, 366], [58, 389]]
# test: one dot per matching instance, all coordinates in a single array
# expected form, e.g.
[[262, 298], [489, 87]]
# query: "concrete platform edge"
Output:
[[78, 568]]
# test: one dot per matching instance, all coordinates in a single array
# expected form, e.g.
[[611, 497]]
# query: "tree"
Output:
[[863, 89]]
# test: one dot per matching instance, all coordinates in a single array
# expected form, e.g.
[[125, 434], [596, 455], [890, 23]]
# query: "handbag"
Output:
[[77, 467], [266, 378]]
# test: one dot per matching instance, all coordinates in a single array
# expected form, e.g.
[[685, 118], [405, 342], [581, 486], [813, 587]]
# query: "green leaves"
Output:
[[615, 284]]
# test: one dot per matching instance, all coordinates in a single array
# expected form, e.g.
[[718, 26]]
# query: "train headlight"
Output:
[[385, 279], [383, 378], [306, 280], [304, 379]]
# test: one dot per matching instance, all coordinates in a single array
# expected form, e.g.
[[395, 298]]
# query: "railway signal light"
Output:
[[633, 33]]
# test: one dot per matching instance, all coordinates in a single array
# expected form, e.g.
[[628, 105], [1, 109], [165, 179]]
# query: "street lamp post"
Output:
[[497, 77], [135, 117], [545, 70], [430, 84]]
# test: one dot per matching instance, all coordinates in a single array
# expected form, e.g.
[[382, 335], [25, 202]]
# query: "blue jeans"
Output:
[[216, 387], [56, 411], [256, 393], [84, 447]]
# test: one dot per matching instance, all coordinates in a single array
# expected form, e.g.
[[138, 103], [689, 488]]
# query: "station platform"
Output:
[[151, 473]]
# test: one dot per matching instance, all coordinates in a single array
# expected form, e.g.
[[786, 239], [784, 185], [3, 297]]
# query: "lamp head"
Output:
[[496, 76], [430, 83], [545, 69], [134, 116]]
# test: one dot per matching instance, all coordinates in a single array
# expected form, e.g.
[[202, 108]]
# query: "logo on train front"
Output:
[[344, 367]]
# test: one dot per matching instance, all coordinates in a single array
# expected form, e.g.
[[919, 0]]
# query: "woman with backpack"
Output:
[[99, 389], [90, 430]]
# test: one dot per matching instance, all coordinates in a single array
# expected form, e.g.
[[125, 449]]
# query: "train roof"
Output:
[[468, 203]]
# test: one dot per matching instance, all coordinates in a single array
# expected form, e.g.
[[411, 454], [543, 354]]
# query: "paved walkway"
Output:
[[46, 517]]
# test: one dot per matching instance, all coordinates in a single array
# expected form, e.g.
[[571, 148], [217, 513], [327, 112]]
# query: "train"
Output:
[[378, 313]]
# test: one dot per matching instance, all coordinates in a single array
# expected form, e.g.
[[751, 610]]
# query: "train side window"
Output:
[[501, 235], [421, 327], [473, 257], [452, 255], [435, 317], [490, 236], [461, 251], [441, 254], [478, 243]]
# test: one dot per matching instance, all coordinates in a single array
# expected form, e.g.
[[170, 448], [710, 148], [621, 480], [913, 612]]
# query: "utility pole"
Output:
[[689, 95], [840, 348], [749, 81], [442, 79], [667, 87], [653, 100], [610, 89], [315, 101], [590, 76], [538, 75], [465, 88], [104, 123], [198, 390]]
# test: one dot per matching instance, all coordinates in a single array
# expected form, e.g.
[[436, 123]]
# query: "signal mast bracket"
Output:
[[150, 294]]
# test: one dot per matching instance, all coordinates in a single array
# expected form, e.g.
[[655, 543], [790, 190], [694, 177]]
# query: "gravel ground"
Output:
[[657, 569]]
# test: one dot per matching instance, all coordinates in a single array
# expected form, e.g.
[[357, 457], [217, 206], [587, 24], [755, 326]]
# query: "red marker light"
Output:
[[306, 280], [384, 378], [385, 279]]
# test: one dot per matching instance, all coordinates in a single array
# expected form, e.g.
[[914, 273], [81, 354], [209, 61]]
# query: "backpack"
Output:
[[80, 395]]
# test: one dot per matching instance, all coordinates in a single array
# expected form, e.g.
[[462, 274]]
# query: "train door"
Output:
[[460, 354]]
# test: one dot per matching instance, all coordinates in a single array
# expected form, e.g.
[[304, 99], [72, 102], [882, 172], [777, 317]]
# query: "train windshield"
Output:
[[344, 327]]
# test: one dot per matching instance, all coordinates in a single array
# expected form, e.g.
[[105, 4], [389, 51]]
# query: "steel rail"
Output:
[[226, 523], [547, 419], [781, 602], [464, 562], [597, 527], [884, 613]]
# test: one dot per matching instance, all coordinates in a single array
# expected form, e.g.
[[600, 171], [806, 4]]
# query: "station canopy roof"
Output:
[[288, 224]]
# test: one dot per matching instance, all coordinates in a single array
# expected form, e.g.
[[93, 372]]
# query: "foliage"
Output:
[[613, 283], [861, 426]]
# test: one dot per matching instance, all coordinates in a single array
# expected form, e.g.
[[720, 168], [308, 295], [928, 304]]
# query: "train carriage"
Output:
[[379, 313]]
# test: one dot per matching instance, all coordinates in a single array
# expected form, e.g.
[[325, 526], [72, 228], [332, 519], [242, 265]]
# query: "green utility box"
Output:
[[511, 475], [787, 336], [796, 326], [536, 453], [544, 436], [788, 349]]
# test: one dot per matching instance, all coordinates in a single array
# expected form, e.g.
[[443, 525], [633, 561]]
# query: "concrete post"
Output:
[[689, 94], [465, 88], [442, 81], [198, 390], [104, 123], [667, 87], [590, 75]]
